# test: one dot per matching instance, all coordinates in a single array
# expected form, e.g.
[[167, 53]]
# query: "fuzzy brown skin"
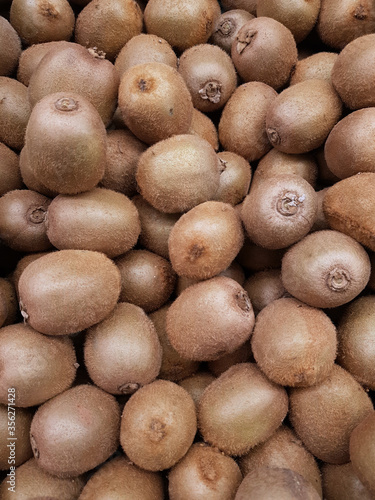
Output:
[[192, 326], [319, 65], [196, 384], [241, 409], [10, 44], [21, 266], [301, 117], [264, 287], [179, 173], [325, 176], [155, 102], [8, 303], [283, 450], [23, 216], [242, 354], [341, 21], [202, 126], [265, 51], [77, 69], [362, 451], [14, 112], [37, 366], [23, 419], [355, 218], [86, 292], [158, 425], [205, 240], [9, 170], [340, 482], [108, 25], [42, 21], [28, 176], [120, 478], [320, 220], [182, 24], [66, 143], [294, 344], [75, 431], [227, 26], [143, 49], [123, 352], [235, 178], [34, 482], [324, 415], [325, 269], [242, 127], [206, 473]]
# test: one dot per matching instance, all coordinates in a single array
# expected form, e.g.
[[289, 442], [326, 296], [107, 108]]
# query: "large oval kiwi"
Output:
[[9, 170], [29, 178], [319, 65], [15, 112], [340, 482], [235, 178], [362, 452], [10, 44], [196, 384]]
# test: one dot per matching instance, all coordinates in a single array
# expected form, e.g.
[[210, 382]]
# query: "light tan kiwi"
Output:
[[178, 173], [325, 428], [202, 126], [14, 420], [28, 176], [318, 65], [242, 354], [155, 102], [10, 48], [263, 287], [340, 482], [243, 132], [362, 453], [37, 366], [227, 26], [8, 302], [325, 269], [86, 292], [235, 178], [255, 258], [9, 170], [158, 425], [204, 472], [196, 384], [14, 112], [241, 409]]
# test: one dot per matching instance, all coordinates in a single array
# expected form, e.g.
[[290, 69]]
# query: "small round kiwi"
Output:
[[362, 451], [14, 112], [241, 409], [242, 126], [204, 472], [264, 50], [20, 420], [28, 176], [196, 384], [202, 126], [158, 425], [75, 431], [263, 287], [255, 258], [325, 269], [10, 44], [340, 482], [86, 292], [8, 302], [9, 170], [227, 26], [242, 354], [235, 178], [319, 65], [147, 279]]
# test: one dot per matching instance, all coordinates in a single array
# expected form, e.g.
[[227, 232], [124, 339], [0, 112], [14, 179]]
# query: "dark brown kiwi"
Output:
[[241, 409], [325, 176], [178, 173], [196, 384], [28, 176], [147, 279], [242, 132], [34, 482], [325, 428], [184, 24], [319, 65], [123, 352], [66, 143], [255, 258], [242, 354], [299, 109], [325, 269], [9, 170], [264, 50], [155, 102], [158, 425], [362, 453], [248, 5], [283, 449], [235, 178], [23, 220], [204, 472], [202, 126], [340, 482], [41, 21], [227, 26], [15, 112], [10, 48], [75, 431], [122, 479], [86, 292], [8, 302], [74, 68], [37, 366], [14, 422], [263, 287]]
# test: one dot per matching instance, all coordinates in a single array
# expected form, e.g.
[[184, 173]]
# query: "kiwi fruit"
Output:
[[182, 24], [178, 173], [28, 176], [255, 258], [209, 74], [37, 366], [15, 112], [242, 354], [155, 102], [325, 269], [319, 65], [10, 48], [18, 421], [340, 482], [196, 384], [21, 266], [41, 21], [9, 170], [74, 68], [325, 428], [227, 26], [202, 126], [120, 478], [320, 220], [235, 178], [325, 176], [158, 425], [33, 482], [362, 452], [86, 292], [145, 48], [66, 143], [75, 431], [283, 450], [263, 287], [8, 303], [264, 50], [206, 473], [241, 409], [242, 126]]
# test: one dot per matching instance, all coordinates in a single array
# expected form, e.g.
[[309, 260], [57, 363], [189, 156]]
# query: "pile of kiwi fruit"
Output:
[[187, 250]]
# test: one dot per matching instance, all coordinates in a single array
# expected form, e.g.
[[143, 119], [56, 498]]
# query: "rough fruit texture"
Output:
[[235, 178], [23, 418], [227, 26], [10, 47], [9, 170], [340, 482], [362, 451], [14, 112], [202, 126]]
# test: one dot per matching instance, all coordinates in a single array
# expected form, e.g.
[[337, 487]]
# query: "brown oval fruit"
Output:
[[10, 48], [196, 384], [23, 418], [340, 482], [227, 26], [235, 178], [14, 112], [362, 450], [242, 354], [9, 170], [8, 302], [202, 126], [319, 65], [29, 179]]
